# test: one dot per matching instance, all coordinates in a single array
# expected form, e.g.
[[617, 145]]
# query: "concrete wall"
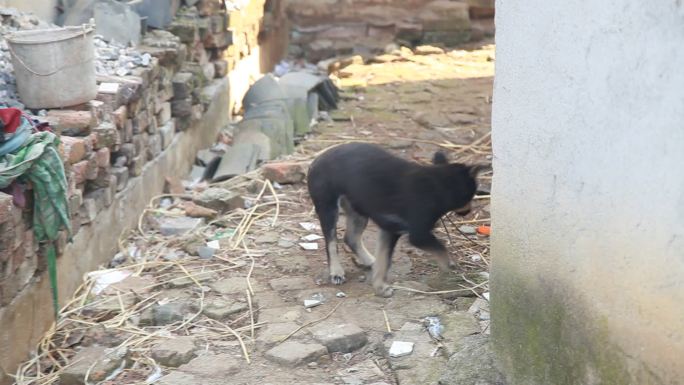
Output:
[[44, 9], [588, 197]]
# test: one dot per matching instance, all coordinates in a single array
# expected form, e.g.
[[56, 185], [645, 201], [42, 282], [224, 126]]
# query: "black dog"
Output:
[[401, 197]]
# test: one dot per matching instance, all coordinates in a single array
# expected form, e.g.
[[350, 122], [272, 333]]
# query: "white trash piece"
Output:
[[401, 348], [309, 246], [54, 67]]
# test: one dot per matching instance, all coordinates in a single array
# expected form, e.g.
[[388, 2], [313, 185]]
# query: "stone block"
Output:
[[178, 225], [106, 135], [72, 123], [183, 84], [182, 108], [78, 172], [96, 361], [186, 29], [140, 122], [174, 352], [74, 149], [294, 353], [91, 169], [339, 337], [110, 94], [103, 157], [219, 199]]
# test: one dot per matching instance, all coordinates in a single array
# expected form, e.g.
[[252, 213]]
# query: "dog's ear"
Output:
[[476, 169], [439, 158]]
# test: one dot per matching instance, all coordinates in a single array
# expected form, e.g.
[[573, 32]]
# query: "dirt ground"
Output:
[[238, 317]]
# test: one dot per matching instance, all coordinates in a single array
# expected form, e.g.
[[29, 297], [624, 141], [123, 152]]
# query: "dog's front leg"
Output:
[[425, 240], [383, 260]]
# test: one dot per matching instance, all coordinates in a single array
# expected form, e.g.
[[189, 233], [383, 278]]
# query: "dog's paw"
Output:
[[337, 279], [384, 291]]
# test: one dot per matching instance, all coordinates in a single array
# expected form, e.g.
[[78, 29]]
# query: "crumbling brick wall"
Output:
[[325, 28]]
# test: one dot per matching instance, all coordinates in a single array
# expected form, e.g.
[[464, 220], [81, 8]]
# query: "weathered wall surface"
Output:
[[325, 28], [588, 200]]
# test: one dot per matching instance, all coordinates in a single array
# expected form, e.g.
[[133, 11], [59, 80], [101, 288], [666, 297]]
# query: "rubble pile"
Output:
[[324, 29]]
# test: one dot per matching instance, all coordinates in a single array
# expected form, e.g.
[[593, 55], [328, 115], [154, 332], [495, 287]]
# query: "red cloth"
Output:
[[11, 117]]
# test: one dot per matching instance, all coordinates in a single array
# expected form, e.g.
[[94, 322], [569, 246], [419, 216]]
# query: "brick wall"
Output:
[[325, 28]]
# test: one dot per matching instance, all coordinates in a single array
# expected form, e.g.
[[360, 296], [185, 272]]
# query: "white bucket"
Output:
[[54, 67]]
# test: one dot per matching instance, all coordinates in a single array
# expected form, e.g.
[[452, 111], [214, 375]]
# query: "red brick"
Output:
[[284, 172], [119, 117], [74, 149], [102, 157], [78, 172], [72, 122], [91, 168]]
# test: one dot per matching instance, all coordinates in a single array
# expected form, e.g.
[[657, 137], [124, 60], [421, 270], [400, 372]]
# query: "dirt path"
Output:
[[177, 319]]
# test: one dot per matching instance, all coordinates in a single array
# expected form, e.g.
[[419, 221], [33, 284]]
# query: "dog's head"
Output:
[[462, 181]]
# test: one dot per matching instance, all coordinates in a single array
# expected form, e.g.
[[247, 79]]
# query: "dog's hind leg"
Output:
[[356, 224], [383, 260], [327, 215]]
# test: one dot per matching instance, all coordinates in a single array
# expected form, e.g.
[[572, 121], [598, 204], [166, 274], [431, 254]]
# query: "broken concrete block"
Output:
[[219, 199], [238, 159], [293, 353], [339, 337], [219, 309], [174, 352], [95, 361], [284, 172], [159, 315]]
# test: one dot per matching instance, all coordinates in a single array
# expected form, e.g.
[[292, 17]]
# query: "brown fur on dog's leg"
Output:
[[383, 260], [356, 224]]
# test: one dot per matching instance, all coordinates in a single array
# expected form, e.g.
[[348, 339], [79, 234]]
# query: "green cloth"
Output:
[[38, 161]]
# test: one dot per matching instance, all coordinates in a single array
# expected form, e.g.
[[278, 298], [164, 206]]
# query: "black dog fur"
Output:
[[400, 196]]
